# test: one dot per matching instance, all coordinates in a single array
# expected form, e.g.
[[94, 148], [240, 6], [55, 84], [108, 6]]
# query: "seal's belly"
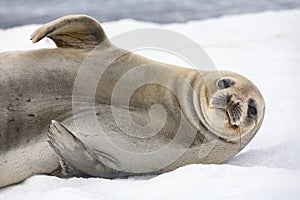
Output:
[[24, 150], [34, 157]]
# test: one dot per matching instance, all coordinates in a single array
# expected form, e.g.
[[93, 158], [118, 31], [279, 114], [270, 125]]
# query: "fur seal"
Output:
[[202, 116]]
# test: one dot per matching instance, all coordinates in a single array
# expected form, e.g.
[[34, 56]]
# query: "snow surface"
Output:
[[265, 48]]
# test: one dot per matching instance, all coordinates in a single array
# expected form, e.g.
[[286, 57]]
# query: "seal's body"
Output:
[[208, 117], [34, 90]]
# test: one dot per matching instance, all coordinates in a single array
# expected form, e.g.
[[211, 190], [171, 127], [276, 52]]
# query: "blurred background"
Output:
[[21, 12]]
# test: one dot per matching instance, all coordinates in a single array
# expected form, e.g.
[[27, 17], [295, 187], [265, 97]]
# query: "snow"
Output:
[[265, 48], [192, 182]]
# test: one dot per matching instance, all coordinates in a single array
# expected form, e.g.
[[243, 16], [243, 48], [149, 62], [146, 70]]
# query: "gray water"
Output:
[[20, 12]]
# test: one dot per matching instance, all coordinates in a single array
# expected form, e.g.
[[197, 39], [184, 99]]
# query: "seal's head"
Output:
[[232, 106]]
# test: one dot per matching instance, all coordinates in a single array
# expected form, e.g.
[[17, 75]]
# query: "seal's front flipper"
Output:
[[72, 31], [67, 170], [74, 152]]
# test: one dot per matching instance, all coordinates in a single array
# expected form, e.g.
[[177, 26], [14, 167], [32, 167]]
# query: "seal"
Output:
[[181, 116]]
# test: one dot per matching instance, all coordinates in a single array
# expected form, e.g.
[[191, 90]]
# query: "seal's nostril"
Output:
[[235, 126], [228, 98]]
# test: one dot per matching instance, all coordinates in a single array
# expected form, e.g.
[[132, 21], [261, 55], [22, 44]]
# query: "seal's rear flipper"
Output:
[[72, 31], [76, 155]]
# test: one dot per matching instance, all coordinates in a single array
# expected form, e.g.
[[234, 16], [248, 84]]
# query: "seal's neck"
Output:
[[189, 89]]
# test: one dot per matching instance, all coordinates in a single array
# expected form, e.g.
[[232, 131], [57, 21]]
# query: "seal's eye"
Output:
[[252, 111], [225, 83]]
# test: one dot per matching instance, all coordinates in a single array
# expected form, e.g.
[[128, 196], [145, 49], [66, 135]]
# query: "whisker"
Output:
[[239, 132], [221, 100]]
